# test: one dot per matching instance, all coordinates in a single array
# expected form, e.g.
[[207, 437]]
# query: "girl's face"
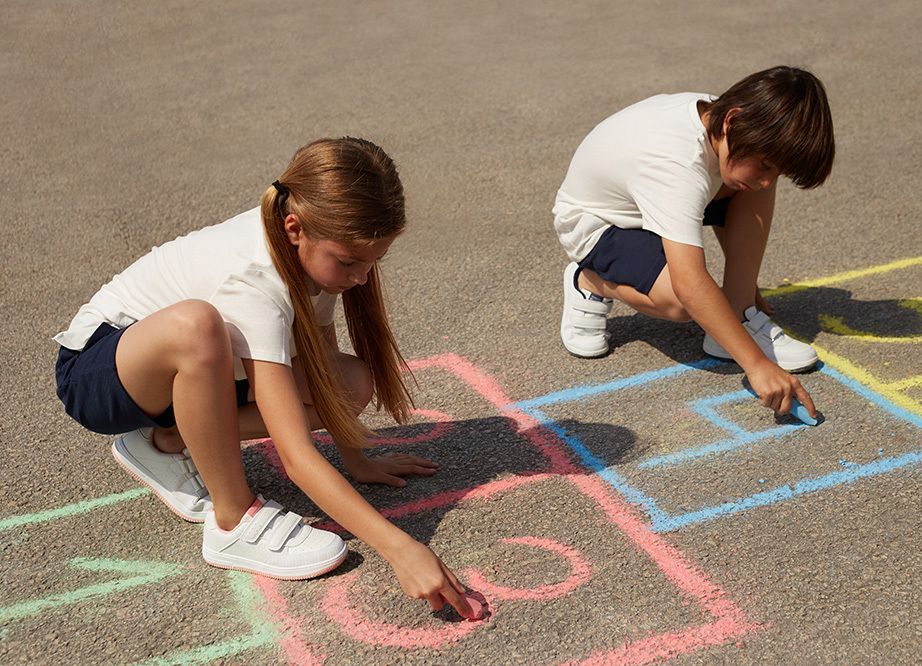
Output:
[[335, 267]]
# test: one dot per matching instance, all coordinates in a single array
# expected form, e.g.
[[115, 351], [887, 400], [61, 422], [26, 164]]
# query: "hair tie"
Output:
[[281, 189]]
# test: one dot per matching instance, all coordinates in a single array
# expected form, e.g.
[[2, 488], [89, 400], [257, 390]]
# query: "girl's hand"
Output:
[[775, 388], [386, 469], [762, 304], [422, 575]]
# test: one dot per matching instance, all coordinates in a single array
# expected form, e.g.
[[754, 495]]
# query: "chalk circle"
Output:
[[580, 572], [441, 425], [339, 606]]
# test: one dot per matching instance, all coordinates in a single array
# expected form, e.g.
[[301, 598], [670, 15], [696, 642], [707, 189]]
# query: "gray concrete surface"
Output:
[[127, 124]]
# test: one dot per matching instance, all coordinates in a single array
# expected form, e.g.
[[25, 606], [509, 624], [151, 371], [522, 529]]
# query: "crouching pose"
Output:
[[642, 184], [227, 334]]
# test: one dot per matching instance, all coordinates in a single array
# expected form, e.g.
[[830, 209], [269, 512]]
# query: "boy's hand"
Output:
[[422, 575], [386, 469], [775, 388]]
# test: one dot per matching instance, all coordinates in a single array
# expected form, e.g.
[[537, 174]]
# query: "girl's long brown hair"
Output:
[[347, 190]]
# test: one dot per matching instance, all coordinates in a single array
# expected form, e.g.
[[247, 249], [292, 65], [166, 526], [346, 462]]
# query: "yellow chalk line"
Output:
[[786, 289], [862, 376]]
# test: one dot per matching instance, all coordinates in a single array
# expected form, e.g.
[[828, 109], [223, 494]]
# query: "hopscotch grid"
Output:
[[728, 622], [663, 521]]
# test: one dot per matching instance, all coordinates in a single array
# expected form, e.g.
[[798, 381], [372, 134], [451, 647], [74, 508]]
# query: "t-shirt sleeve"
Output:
[[671, 199], [258, 316]]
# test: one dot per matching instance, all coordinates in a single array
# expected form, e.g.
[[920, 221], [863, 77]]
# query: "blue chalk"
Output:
[[798, 411]]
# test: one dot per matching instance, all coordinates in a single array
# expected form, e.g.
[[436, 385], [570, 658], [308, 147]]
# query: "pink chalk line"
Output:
[[691, 581], [340, 608], [580, 572], [729, 622], [296, 651]]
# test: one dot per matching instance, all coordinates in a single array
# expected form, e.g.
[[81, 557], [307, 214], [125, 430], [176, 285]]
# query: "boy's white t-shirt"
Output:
[[229, 266], [649, 166]]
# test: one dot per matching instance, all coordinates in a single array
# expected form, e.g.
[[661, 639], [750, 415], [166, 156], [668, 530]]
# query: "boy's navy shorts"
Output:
[[93, 395], [635, 257]]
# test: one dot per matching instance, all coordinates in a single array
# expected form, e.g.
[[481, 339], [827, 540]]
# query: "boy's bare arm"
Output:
[[707, 305]]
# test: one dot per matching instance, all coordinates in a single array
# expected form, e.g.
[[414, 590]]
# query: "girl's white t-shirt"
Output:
[[229, 266], [649, 166]]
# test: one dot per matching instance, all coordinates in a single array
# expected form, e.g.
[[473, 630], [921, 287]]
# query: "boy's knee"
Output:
[[678, 314]]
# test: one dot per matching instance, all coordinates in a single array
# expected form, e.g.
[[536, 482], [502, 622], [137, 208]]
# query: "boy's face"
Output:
[[746, 174], [751, 173]]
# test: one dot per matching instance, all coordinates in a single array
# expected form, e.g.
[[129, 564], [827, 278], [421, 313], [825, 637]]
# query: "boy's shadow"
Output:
[[803, 313], [471, 453]]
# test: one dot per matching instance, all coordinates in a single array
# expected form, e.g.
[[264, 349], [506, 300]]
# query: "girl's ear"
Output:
[[293, 229]]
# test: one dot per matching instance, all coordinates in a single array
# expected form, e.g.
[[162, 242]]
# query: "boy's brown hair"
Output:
[[783, 118]]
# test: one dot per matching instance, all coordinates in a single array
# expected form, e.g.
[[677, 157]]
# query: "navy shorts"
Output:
[[93, 395], [635, 257]]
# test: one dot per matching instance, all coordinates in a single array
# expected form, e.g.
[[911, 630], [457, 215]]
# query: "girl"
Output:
[[155, 353]]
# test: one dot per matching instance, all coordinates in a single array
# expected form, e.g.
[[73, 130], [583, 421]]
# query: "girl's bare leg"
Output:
[[353, 375], [182, 355]]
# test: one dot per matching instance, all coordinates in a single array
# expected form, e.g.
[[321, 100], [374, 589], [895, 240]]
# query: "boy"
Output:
[[631, 208]]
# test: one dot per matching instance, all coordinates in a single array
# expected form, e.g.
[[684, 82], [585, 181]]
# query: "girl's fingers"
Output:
[[456, 599], [391, 480], [436, 601], [413, 460], [452, 579]]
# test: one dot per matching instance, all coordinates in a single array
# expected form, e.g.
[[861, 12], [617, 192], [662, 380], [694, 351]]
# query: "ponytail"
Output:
[[346, 190]]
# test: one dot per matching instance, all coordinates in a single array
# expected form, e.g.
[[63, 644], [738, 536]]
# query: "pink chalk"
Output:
[[476, 607]]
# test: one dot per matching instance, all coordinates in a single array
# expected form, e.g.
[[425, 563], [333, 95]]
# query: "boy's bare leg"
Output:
[[743, 240], [661, 302]]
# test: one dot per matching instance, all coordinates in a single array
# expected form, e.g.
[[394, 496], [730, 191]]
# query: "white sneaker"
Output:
[[172, 476], [272, 542], [582, 324], [790, 354]]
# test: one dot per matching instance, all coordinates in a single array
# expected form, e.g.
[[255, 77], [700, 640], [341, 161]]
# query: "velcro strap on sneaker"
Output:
[[758, 320], [590, 307], [283, 530], [261, 520], [592, 325], [760, 323]]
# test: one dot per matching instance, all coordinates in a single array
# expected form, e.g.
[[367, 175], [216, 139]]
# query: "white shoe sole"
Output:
[[222, 561], [128, 463]]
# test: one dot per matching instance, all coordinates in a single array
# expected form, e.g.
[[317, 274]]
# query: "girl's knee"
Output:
[[200, 332], [357, 380]]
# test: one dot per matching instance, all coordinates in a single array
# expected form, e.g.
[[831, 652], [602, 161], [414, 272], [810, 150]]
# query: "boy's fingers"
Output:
[[453, 580], [785, 406], [805, 400]]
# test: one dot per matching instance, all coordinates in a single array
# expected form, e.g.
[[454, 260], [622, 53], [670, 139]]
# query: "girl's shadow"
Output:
[[470, 453]]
